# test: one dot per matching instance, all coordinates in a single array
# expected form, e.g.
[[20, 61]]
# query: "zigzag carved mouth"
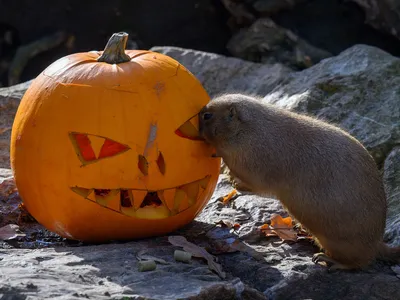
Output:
[[145, 204]]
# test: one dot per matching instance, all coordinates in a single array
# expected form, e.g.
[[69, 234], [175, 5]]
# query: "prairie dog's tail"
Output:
[[389, 254]]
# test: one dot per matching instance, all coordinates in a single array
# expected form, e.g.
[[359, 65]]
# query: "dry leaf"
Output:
[[281, 227], [242, 247], [142, 256], [228, 197], [9, 232], [228, 224], [197, 251], [277, 221]]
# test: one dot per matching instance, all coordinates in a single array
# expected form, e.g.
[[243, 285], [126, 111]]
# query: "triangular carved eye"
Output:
[[91, 148], [190, 129]]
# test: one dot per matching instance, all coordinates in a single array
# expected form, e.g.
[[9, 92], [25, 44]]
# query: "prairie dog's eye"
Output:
[[207, 116]]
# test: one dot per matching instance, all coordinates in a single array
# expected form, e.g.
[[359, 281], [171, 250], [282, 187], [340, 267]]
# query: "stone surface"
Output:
[[275, 270], [269, 7], [392, 180], [5, 173], [382, 14], [356, 90], [264, 41], [109, 272], [9, 101], [221, 74]]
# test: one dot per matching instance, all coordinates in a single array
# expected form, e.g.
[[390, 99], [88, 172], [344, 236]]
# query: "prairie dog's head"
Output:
[[221, 121]]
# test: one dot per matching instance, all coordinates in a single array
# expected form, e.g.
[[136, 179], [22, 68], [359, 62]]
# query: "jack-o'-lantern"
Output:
[[104, 145]]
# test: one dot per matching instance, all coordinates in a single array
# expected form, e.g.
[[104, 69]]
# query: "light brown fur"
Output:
[[324, 177]]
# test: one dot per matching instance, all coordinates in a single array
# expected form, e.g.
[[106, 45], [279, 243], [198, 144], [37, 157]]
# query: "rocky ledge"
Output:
[[357, 90]]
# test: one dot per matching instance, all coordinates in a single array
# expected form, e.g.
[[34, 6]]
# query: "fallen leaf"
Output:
[[142, 256], [232, 244], [242, 247], [277, 220], [228, 224], [9, 232], [281, 227], [229, 197], [197, 251]]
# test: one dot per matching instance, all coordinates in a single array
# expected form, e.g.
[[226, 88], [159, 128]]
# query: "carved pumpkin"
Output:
[[104, 145]]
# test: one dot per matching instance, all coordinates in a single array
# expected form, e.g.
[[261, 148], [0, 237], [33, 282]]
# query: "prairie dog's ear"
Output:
[[232, 113]]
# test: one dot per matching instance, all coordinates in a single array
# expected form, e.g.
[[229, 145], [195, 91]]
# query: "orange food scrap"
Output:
[[236, 226], [281, 227], [228, 197]]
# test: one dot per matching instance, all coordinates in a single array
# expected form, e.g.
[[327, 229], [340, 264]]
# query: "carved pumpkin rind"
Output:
[[131, 113]]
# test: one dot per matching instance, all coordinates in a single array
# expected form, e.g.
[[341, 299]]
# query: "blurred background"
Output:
[[297, 33]]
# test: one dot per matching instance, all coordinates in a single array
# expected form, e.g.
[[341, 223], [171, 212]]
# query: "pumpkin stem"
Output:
[[114, 52]]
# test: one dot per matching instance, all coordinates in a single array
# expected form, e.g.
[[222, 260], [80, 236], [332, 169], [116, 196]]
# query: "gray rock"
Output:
[[392, 182], [356, 90], [270, 7], [110, 271], [382, 14], [9, 101], [5, 173], [266, 42], [221, 74], [274, 270]]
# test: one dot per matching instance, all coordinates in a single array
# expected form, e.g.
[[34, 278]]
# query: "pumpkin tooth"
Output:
[[203, 183], [191, 190], [126, 198], [91, 196], [169, 198], [137, 198], [195, 122], [180, 202], [96, 142], [81, 191], [160, 195], [103, 196], [128, 211]]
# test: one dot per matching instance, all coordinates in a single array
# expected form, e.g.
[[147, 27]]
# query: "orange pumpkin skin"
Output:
[[91, 140]]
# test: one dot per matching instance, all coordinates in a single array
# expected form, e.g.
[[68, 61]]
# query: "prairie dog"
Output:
[[323, 176]]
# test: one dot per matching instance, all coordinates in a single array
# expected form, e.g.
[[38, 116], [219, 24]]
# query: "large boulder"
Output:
[[220, 74], [383, 15], [264, 41], [356, 90]]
